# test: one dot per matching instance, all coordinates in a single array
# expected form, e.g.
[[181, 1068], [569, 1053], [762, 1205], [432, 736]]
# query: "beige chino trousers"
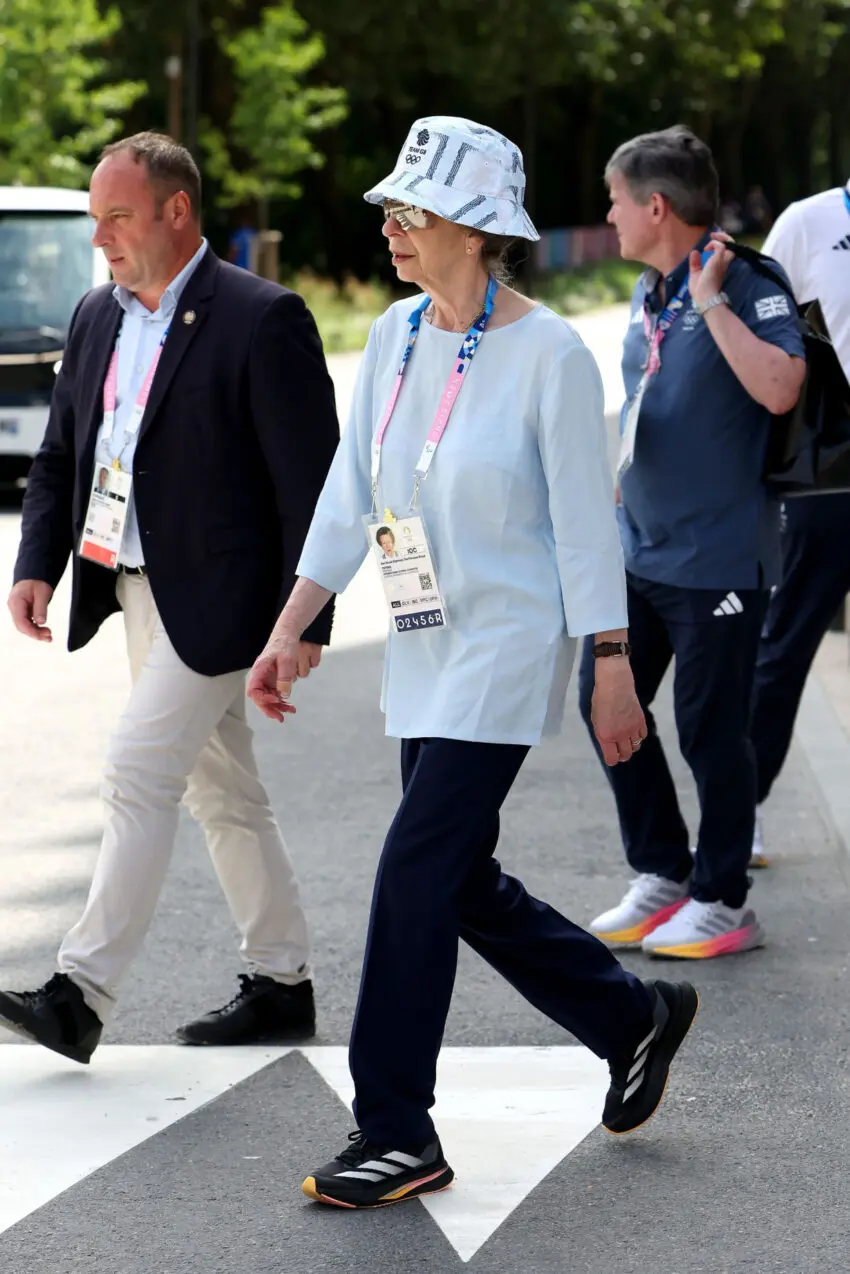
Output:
[[185, 737]]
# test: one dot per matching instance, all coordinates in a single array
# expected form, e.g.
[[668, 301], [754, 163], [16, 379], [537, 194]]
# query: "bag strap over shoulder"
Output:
[[762, 265]]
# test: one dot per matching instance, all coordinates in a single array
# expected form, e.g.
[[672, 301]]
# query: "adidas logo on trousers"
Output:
[[731, 605]]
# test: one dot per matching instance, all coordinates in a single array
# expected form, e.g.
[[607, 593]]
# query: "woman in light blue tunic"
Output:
[[477, 440]]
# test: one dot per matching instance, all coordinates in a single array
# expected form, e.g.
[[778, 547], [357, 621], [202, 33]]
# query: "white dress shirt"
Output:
[[519, 507], [139, 338]]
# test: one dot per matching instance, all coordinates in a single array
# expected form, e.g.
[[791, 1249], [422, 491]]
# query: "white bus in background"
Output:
[[47, 262]]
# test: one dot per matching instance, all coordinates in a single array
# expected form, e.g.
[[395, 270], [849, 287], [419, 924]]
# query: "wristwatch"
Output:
[[604, 649], [701, 307]]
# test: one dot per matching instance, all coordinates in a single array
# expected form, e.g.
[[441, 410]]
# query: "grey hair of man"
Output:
[[673, 163]]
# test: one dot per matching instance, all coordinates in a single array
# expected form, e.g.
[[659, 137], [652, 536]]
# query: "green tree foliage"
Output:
[[764, 81], [276, 114], [58, 101]]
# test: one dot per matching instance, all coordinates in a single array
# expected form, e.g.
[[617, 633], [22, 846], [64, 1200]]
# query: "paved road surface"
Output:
[[175, 1160]]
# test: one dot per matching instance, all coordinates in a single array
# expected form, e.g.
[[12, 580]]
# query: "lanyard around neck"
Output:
[[655, 335], [110, 395], [847, 199], [465, 356]]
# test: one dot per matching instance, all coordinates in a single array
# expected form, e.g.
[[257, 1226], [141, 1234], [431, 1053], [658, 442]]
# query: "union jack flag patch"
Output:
[[773, 307]]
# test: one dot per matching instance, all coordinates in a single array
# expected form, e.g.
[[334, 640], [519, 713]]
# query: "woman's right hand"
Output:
[[271, 679]]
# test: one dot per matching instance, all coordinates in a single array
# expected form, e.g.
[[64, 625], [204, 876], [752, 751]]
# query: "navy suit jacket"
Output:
[[237, 438]]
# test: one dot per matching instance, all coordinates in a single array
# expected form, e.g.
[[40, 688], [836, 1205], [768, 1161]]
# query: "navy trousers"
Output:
[[438, 881], [714, 638], [815, 581]]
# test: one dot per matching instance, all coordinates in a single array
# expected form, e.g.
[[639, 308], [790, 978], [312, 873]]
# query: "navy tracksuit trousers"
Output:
[[713, 636], [815, 581], [437, 882]]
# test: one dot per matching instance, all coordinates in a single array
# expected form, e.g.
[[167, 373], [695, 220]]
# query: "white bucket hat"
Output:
[[462, 172]]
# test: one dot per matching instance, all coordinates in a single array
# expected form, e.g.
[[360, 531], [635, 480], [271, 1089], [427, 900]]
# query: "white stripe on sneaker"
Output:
[[635, 1077], [646, 1043], [632, 1088], [638, 1066], [409, 1161]]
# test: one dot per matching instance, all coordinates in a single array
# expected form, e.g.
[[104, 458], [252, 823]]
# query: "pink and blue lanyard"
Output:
[[465, 356], [655, 335], [110, 395]]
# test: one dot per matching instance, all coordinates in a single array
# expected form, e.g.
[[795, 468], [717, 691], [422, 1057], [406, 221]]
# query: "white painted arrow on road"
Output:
[[506, 1116]]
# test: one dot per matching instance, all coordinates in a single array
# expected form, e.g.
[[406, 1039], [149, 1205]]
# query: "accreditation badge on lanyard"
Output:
[[109, 500], [654, 335], [400, 545]]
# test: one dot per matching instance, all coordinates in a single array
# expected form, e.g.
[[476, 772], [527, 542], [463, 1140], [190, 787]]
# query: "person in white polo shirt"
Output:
[[811, 240]]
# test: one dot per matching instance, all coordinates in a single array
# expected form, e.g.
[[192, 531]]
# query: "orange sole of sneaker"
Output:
[[748, 939], [311, 1190]]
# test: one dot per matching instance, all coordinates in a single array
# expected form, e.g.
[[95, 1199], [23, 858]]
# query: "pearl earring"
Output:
[[468, 248]]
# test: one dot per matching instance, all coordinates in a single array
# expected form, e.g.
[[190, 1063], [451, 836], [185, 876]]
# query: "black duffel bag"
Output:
[[809, 447]]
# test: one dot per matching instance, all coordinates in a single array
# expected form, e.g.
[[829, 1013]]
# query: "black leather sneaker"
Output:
[[368, 1176], [56, 1015], [639, 1078], [262, 1011]]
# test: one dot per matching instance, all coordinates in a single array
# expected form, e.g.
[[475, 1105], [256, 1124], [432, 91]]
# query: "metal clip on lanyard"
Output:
[[110, 394], [465, 356]]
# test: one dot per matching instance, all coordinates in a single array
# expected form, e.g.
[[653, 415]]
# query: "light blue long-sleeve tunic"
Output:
[[520, 512]]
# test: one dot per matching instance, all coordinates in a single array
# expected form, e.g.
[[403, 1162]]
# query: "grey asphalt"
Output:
[[744, 1168]]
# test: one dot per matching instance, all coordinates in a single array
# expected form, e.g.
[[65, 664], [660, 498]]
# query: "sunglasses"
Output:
[[408, 216]]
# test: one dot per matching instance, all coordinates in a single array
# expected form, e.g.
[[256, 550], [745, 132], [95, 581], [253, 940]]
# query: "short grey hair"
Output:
[[673, 163], [170, 166]]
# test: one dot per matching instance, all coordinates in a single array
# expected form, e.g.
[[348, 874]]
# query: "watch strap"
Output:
[[702, 307], [607, 649]]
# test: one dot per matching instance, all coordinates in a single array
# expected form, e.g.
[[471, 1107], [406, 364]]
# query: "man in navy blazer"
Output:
[[204, 390]]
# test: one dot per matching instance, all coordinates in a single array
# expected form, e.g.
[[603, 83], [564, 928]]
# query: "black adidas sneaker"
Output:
[[639, 1078], [368, 1176]]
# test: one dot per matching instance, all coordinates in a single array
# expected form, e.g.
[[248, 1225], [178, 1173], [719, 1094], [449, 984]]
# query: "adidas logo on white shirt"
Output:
[[842, 245], [731, 605]]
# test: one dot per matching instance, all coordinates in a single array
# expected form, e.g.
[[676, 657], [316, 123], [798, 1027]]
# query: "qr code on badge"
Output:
[[425, 581]]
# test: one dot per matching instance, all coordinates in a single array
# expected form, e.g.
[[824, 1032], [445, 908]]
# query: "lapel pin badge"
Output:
[[189, 317]]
